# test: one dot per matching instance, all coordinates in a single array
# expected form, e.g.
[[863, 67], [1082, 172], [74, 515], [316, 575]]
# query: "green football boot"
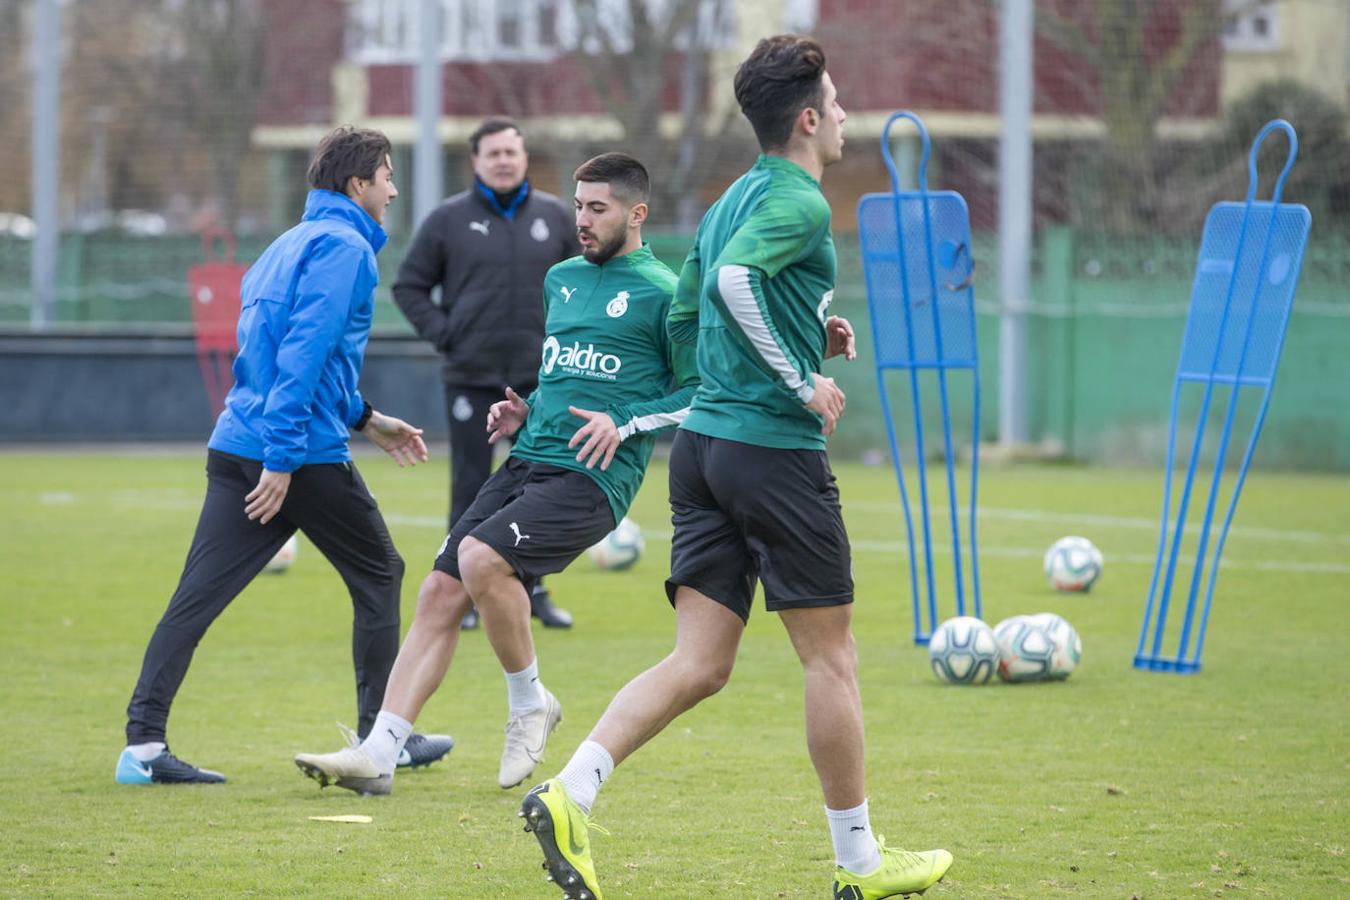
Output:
[[562, 830], [902, 873]]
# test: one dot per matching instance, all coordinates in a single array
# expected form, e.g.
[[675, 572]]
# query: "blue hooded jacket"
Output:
[[304, 320]]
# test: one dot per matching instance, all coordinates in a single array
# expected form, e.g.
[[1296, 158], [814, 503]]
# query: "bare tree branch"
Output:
[[1199, 25], [1135, 89], [1065, 32]]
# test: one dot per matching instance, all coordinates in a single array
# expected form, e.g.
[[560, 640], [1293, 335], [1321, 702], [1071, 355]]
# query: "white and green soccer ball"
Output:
[[619, 549], [963, 651], [285, 557], [1073, 564], [1068, 648], [1026, 649]]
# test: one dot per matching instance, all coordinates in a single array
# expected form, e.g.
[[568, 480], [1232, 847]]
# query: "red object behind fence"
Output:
[[214, 287]]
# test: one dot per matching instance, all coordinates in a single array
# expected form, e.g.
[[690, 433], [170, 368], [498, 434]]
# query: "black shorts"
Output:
[[744, 512], [538, 517]]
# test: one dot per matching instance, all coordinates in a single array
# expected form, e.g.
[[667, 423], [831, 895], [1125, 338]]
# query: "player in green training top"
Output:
[[751, 491], [583, 441]]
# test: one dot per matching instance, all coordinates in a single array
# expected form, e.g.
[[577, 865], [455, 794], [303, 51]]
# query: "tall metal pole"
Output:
[[46, 144], [427, 107], [1014, 216]]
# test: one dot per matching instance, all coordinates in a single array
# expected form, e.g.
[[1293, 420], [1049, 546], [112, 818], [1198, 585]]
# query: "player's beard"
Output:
[[604, 249]]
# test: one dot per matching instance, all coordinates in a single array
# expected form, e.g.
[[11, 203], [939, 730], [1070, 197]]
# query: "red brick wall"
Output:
[[883, 54], [302, 44]]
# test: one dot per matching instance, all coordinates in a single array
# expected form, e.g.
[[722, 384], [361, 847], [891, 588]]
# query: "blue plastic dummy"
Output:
[[917, 260], [1251, 254]]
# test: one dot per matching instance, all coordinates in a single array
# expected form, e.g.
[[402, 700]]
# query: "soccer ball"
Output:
[[1073, 564], [1068, 648], [1026, 649], [963, 651], [619, 549], [285, 557]]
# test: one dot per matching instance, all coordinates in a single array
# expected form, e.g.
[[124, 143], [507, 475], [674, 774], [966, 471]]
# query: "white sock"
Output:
[[148, 751], [855, 848], [524, 693], [588, 768], [386, 739]]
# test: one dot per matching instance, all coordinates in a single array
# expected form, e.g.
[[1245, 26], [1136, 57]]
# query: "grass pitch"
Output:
[[1116, 783]]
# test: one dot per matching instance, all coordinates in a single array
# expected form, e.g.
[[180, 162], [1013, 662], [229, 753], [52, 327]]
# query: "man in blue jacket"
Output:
[[278, 459]]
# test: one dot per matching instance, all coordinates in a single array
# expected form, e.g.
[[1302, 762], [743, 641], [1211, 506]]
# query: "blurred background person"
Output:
[[472, 285]]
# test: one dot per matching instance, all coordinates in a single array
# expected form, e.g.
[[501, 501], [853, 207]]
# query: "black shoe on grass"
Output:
[[424, 749], [163, 769], [542, 608]]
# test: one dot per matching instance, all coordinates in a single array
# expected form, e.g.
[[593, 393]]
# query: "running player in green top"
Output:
[[751, 491], [754, 291], [583, 441]]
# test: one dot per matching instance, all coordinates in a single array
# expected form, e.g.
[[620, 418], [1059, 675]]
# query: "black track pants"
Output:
[[332, 506], [466, 411]]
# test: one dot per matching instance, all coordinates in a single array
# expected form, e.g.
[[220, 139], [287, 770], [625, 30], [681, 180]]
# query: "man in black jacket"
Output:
[[472, 285]]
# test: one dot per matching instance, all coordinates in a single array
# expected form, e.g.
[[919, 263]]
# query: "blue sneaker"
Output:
[[424, 749], [163, 769]]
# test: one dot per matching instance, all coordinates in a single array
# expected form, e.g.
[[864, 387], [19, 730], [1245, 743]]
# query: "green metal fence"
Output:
[[1103, 337]]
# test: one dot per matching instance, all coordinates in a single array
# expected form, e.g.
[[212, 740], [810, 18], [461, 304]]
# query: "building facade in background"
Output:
[[1134, 84], [195, 112]]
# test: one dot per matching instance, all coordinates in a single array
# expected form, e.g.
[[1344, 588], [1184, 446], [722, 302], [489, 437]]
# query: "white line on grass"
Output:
[[1144, 559], [175, 498], [896, 547], [1135, 522], [163, 500]]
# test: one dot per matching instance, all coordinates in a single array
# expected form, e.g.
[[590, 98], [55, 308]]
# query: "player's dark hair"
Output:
[[782, 77], [627, 178], [344, 152], [492, 125]]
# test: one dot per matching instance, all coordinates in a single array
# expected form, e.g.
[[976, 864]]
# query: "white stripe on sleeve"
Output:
[[653, 422], [733, 282]]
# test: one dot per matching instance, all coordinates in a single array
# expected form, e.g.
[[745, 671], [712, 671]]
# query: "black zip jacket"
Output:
[[489, 322]]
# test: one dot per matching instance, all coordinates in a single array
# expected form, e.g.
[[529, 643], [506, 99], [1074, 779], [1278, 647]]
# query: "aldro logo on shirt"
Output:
[[578, 360]]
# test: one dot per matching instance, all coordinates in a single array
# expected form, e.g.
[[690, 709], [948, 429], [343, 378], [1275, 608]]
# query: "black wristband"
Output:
[[365, 416]]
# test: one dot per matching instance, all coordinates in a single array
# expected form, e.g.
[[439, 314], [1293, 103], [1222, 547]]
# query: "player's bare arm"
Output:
[[601, 437], [828, 401], [839, 338], [264, 501], [396, 437], [506, 416]]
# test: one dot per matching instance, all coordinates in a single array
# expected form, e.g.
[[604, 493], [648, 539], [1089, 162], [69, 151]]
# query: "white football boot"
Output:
[[526, 737], [350, 768]]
